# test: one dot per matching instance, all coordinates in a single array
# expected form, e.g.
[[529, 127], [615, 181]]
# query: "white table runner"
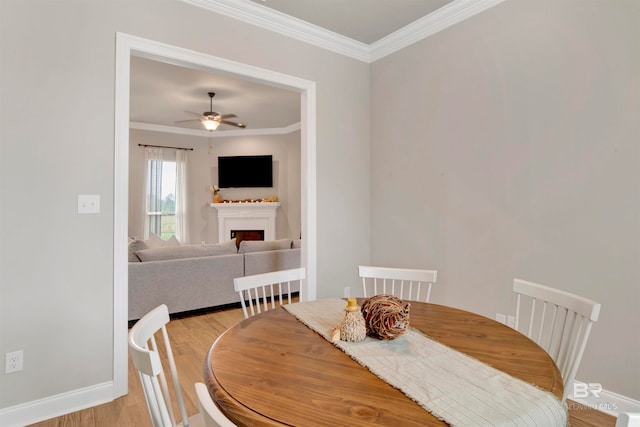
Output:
[[452, 386]]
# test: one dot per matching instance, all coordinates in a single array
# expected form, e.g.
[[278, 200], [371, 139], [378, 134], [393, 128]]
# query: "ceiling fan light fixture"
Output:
[[210, 124], [211, 120]]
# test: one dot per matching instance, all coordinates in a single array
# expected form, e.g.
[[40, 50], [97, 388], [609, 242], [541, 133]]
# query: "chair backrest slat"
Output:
[[552, 328], [572, 345], [515, 321], [531, 320], [404, 283], [268, 295], [542, 318], [564, 340]]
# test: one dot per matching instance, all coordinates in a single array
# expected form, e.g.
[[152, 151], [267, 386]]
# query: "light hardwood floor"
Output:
[[191, 338]]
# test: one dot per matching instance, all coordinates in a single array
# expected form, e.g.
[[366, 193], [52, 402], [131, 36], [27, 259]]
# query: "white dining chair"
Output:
[[263, 289], [404, 283], [146, 358], [628, 419], [559, 322], [211, 414]]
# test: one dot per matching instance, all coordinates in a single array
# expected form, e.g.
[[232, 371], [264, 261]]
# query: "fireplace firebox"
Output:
[[241, 235]]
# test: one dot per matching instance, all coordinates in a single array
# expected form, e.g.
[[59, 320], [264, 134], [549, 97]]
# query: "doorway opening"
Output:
[[127, 46]]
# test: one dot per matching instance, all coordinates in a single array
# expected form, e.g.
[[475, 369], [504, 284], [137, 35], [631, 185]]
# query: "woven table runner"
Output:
[[454, 387]]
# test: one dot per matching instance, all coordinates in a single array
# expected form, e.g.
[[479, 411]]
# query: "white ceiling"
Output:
[[161, 94], [364, 29], [366, 21]]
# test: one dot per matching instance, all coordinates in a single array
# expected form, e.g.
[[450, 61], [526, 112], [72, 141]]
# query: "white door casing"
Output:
[[126, 46]]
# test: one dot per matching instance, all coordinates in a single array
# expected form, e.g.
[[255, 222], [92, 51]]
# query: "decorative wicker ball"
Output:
[[385, 316]]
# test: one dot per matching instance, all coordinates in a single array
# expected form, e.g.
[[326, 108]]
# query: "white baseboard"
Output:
[[55, 406], [605, 400]]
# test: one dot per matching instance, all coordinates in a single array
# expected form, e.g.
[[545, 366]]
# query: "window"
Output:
[[165, 201], [161, 198]]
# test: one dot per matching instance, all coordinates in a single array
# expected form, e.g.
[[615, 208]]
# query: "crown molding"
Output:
[[273, 20], [214, 134], [278, 22], [448, 15]]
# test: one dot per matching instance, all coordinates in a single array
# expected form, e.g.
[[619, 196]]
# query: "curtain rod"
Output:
[[160, 146]]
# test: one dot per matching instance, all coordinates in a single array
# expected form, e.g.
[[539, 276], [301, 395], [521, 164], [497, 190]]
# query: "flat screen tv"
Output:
[[245, 171]]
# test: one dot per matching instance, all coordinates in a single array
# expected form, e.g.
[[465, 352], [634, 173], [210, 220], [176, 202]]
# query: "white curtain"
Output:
[[182, 224], [152, 190]]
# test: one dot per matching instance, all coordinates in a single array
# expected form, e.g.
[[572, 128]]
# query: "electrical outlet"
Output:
[[347, 291], [511, 321], [501, 318], [13, 362]]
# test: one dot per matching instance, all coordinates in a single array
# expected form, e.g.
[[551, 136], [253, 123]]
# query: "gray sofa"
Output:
[[192, 277]]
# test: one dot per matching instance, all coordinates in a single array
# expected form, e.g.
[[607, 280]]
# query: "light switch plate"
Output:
[[88, 203]]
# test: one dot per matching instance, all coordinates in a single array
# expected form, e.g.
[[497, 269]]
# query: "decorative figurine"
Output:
[[216, 193], [353, 327]]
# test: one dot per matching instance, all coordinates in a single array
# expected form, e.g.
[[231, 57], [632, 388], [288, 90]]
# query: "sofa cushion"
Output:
[[186, 251], [247, 246], [154, 241], [297, 243]]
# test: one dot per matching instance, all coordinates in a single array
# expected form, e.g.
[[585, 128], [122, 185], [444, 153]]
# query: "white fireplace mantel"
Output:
[[246, 216]]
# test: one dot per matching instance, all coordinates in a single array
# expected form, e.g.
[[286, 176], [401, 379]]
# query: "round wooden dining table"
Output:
[[272, 370]]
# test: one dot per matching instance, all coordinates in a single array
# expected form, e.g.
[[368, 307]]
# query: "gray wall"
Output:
[[509, 148], [57, 132], [518, 156], [203, 172]]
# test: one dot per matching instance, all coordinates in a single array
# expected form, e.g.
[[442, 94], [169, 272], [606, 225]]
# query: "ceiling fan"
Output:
[[212, 120]]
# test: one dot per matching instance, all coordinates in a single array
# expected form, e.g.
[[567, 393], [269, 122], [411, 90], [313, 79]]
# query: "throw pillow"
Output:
[[154, 241], [172, 242], [135, 245]]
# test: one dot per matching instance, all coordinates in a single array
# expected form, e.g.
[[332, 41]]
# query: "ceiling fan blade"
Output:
[[189, 120], [227, 116], [239, 125]]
